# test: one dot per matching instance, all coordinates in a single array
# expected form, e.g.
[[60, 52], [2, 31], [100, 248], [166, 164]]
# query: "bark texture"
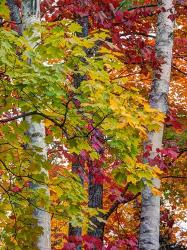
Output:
[[150, 214], [14, 14], [36, 133], [95, 192], [76, 231], [77, 168], [31, 12]]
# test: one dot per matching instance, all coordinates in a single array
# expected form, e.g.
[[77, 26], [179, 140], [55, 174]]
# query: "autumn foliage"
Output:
[[100, 125]]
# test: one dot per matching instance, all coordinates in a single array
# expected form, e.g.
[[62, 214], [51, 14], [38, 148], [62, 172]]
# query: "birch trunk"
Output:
[[150, 214], [36, 133]]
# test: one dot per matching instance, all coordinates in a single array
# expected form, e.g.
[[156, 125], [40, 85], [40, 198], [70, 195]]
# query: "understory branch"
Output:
[[13, 118], [117, 203], [174, 177]]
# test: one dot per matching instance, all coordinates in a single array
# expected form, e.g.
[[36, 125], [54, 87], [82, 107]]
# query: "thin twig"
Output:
[[174, 177]]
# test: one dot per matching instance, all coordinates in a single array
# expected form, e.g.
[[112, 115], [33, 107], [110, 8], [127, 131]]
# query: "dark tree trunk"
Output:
[[15, 15], [95, 190], [77, 168], [76, 231], [96, 201]]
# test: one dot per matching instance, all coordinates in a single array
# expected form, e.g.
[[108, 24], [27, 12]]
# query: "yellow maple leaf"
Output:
[[157, 171], [48, 123], [156, 191], [130, 178]]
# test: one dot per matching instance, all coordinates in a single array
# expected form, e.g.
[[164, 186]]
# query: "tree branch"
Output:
[[32, 113], [174, 177], [177, 69], [66, 112], [143, 34], [137, 7], [143, 6], [117, 203], [181, 151], [18, 117]]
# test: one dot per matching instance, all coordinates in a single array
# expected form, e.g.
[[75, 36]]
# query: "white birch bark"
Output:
[[150, 214], [36, 132]]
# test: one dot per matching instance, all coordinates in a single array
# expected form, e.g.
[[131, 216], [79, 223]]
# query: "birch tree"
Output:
[[36, 131], [150, 214]]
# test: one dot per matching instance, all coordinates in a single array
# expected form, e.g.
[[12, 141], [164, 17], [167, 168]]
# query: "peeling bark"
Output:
[[150, 214]]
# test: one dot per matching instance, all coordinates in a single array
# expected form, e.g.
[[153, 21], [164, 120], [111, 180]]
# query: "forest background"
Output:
[[75, 125]]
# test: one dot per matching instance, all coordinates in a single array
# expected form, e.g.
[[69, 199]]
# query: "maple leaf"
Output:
[[16, 189]]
